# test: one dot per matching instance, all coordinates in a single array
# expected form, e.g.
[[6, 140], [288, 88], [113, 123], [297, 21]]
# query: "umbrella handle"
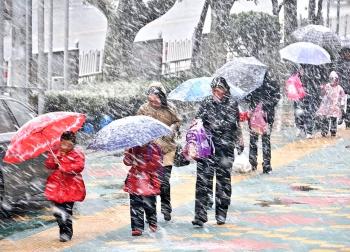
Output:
[[48, 144]]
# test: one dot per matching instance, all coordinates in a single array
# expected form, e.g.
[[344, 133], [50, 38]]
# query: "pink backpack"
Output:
[[199, 144], [294, 88], [257, 120]]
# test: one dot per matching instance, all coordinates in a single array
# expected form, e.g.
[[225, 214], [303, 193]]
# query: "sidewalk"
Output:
[[304, 205]]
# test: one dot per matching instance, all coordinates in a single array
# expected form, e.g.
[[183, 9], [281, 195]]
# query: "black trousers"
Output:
[[266, 148], [139, 206], [333, 121], [222, 167], [164, 177], [63, 214], [347, 115], [299, 115]]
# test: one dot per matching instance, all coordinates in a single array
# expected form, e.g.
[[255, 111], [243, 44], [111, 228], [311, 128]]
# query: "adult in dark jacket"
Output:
[[269, 95], [343, 70], [313, 78], [220, 116]]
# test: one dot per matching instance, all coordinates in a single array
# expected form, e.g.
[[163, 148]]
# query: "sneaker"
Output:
[[153, 228], [197, 223], [323, 134], [333, 134], [167, 217], [308, 136], [220, 222], [267, 171], [136, 232], [65, 238]]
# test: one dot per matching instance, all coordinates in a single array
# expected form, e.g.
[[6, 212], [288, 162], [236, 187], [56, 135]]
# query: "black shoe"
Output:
[[267, 171], [219, 222], [333, 134], [324, 134], [167, 217], [254, 167], [197, 223]]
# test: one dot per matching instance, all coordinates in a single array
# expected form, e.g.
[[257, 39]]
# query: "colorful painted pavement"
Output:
[[304, 205]]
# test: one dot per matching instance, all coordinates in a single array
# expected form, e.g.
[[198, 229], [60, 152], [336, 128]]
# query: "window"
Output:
[[6, 122], [21, 113]]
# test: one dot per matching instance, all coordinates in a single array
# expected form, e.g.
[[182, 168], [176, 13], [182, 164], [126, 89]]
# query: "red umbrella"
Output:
[[41, 134]]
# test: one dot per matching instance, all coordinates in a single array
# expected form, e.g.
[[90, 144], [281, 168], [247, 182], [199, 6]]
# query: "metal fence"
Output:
[[90, 65], [176, 56]]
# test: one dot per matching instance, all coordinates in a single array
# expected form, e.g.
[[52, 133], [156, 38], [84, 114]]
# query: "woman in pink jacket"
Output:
[[332, 105]]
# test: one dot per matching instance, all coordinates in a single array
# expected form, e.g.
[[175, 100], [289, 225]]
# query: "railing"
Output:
[[176, 56], [90, 65]]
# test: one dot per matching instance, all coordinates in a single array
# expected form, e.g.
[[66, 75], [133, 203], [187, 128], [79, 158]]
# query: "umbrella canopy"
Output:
[[129, 132], [305, 53], [243, 74], [192, 90], [320, 35], [40, 134]]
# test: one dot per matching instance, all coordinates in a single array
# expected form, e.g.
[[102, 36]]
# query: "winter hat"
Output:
[[220, 82], [156, 88], [158, 85], [333, 76]]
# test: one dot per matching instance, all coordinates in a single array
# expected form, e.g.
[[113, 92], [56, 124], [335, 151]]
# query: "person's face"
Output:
[[154, 101], [218, 93], [66, 146]]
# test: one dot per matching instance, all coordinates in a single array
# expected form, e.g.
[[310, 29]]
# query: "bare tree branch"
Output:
[[105, 6]]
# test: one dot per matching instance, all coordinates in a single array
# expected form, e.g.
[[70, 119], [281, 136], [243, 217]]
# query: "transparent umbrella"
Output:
[[243, 74]]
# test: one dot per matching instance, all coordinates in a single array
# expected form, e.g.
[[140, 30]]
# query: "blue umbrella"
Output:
[[129, 132], [305, 53], [243, 74], [192, 90]]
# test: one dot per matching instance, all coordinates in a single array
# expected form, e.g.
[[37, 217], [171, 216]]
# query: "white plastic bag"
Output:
[[241, 164]]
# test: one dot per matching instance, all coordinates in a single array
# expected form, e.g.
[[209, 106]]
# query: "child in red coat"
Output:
[[143, 185], [65, 185]]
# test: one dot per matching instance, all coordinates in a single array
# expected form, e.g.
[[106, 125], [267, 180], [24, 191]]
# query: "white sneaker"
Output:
[[309, 136]]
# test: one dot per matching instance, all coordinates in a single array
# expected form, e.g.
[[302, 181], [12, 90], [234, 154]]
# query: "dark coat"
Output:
[[343, 70], [65, 184], [269, 95], [145, 163], [221, 121]]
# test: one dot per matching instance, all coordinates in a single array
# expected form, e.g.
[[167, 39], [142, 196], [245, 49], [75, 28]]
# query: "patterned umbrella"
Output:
[[319, 35], [129, 132]]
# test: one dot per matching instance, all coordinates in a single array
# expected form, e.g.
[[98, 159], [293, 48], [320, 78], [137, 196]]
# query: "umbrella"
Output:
[[243, 74], [305, 53], [129, 132], [320, 35], [40, 134], [192, 90]]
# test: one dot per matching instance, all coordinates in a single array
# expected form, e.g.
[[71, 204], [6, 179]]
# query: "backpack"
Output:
[[199, 144], [257, 120], [294, 88]]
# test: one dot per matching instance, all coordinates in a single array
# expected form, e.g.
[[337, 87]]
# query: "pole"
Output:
[[338, 16], [29, 45], [328, 9], [2, 35], [41, 45], [50, 54], [66, 43]]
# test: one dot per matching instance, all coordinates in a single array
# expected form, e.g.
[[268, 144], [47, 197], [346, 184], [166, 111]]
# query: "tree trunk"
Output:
[[198, 38], [319, 17], [311, 11], [124, 22], [290, 18], [214, 50]]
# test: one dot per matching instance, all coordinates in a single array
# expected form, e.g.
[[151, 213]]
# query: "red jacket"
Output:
[[66, 184], [145, 164]]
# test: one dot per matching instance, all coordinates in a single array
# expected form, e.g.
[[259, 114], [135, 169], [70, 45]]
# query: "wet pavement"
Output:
[[304, 205]]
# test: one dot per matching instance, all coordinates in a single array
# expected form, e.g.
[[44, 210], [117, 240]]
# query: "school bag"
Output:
[[294, 88], [257, 120], [199, 144]]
